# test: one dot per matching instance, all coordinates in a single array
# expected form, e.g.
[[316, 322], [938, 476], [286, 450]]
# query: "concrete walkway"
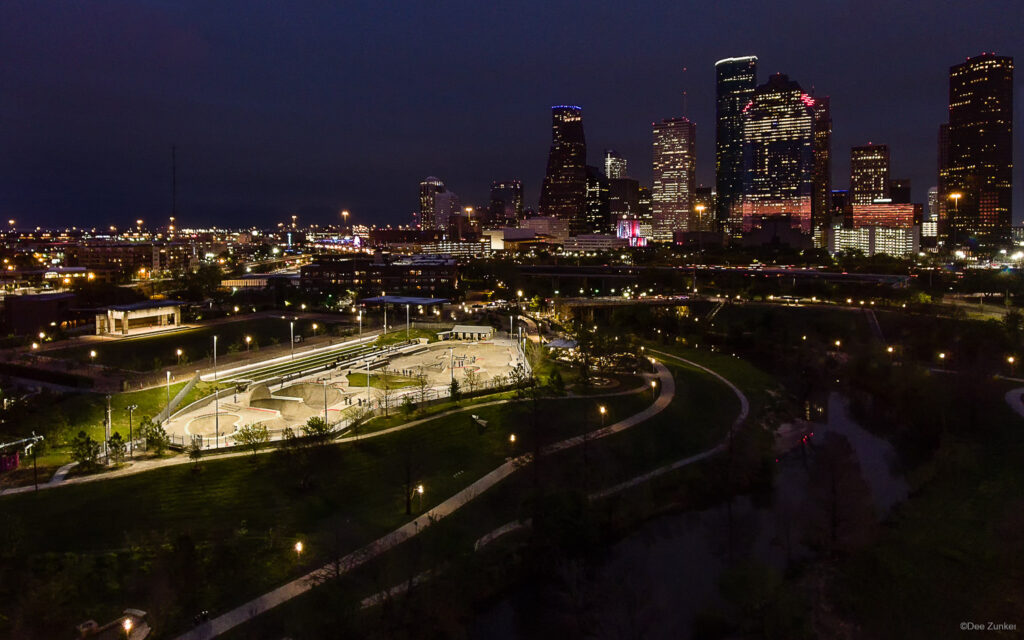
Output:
[[1015, 398], [301, 585], [679, 464]]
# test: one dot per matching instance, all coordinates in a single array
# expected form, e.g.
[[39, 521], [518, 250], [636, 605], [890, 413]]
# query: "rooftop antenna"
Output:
[[174, 181], [685, 112]]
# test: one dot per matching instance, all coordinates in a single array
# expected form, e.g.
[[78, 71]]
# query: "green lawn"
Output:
[[254, 505], [398, 335], [151, 353], [701, 412]]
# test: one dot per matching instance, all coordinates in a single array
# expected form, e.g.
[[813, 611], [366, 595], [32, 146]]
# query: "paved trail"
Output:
[[301, 585], [678, 464]]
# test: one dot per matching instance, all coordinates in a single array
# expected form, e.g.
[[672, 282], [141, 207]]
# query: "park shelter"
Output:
[[149, 314], [467, 332]]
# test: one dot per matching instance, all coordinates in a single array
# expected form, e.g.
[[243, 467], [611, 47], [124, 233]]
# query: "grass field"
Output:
[[701, 412], [150, 353], [355, 491]]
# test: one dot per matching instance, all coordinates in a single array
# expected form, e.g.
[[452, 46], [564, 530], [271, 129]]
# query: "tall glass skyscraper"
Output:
[[429, 189], [821, 201], [506, 206], [976, 174], [778, 154], [614, 165], [735, 80], [564, 190], [675, 180], [869, 173]]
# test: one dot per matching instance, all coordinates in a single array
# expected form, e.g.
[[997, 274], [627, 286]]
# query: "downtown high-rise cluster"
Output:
[[773, 173]]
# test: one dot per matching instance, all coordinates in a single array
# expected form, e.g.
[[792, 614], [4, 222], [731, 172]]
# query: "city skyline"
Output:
[[301, 145]]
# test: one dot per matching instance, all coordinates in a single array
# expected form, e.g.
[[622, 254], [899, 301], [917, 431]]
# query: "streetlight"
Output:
[[127, 626], [603, 411], [298, 548], [248, 341], [419, 497], [942, 355], [344, 217], [131, 446], [838, 344], [654, 389], [168, 394], [407, 322], [216, 399], [315, 327], [291, 332], [955, 196], [1011, 360], [178, 353], [889, 349], [360, 323], [92, 354]]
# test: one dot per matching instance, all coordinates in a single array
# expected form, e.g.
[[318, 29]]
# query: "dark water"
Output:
[[654, 582]]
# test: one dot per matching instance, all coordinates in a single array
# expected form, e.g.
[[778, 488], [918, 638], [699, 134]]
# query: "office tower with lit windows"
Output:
[[564, 190], [869, 173], [735, 81], [933, 204], [429, 189], [675, 178], [976, 152], [778, 155], [506, 206], [614, 165], [821, 201], [597, 216]]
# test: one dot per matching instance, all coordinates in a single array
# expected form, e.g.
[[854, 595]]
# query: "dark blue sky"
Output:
[[311, 107]]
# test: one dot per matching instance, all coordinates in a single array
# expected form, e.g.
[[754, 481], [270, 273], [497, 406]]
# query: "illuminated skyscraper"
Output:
[[778, 154], [735, 80], [429, 188], [506, 206], [598, 216], [821, 201], [563, 192], [869, 173], [976, 174], [675, 159], [614, 165]]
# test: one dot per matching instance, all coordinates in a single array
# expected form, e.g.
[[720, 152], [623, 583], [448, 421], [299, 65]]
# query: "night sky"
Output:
[[310, 107]]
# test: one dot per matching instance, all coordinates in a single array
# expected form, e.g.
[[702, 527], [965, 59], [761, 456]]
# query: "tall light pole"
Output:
[[131, 436], [216, 400], [168, 394], [344, 218], [360, 323], [955, 196], [407, 322], [384, 295], [291, 333]]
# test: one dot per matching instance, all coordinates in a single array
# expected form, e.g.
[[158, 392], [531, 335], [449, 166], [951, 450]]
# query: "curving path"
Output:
[[1015, 398], [301, 585], [678, 464]]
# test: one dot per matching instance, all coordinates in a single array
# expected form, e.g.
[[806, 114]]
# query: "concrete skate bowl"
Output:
[[259, 392], [291, 409], [207, 424], [312, 394]]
